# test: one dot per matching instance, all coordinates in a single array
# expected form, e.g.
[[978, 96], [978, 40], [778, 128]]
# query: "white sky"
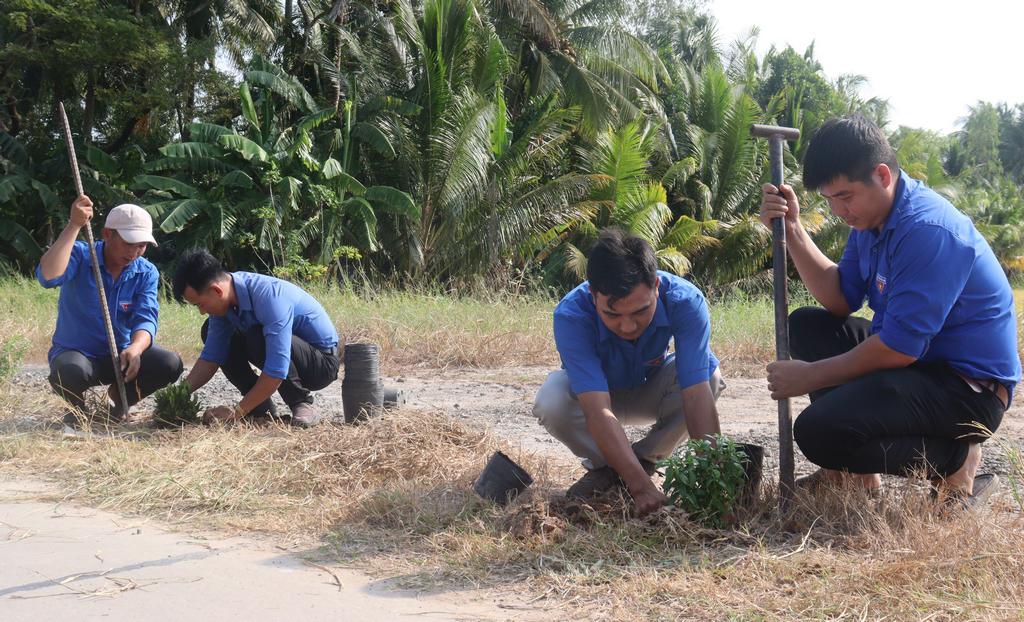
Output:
[[931, 60]]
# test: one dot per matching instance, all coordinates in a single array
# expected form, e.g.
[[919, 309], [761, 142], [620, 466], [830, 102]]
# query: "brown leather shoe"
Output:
[[597, 482], [304, 415], [594, 483]]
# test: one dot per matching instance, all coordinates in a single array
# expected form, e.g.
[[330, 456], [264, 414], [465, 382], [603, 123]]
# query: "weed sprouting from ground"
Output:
[[176, 406]]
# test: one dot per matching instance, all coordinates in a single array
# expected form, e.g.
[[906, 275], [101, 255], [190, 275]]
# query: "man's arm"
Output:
[[701, 415], [200, 374], [264, 388], [791, 378], [130, 356], [819, 273], [617, 450], [142, 323], [54, 261]]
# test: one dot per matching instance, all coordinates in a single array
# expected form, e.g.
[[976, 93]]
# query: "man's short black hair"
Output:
[[618, 263], [852, 146], [196, 269]]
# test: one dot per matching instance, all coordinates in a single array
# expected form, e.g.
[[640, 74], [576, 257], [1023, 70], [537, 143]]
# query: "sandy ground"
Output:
[[61, 561]]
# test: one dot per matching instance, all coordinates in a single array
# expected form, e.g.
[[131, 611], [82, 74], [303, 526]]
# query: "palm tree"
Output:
[[577, 48], [239, 27], [631, 200]]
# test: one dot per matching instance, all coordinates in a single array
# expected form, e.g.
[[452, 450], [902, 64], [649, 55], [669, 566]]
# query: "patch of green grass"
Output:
[[427, 329], [12, 350]]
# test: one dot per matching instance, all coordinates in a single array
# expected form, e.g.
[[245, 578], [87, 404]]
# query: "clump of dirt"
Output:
[[549, 518]]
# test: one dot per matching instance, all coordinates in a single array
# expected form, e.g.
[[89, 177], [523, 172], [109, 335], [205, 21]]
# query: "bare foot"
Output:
[[962, 481]]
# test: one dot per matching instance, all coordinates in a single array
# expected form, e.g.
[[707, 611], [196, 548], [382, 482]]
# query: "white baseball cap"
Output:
[[132, 223]]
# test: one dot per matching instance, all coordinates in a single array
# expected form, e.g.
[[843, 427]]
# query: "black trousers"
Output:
[[895, 421], [311, 369], [71, 373]]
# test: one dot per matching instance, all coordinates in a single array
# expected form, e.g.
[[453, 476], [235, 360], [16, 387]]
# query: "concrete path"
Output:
[[64, 563]]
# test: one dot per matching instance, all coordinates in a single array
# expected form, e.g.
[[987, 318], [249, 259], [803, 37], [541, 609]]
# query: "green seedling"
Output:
[[706, 481], [176, 406]]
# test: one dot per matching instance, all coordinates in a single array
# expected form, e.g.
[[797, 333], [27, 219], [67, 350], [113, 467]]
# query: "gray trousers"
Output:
[[658, 401]]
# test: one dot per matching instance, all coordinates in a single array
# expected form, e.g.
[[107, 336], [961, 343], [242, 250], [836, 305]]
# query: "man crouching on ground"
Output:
[[612, 333], [262, 320], [80, 356]]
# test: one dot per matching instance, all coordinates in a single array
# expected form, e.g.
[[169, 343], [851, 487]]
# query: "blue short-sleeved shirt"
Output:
[[935, 286], [282, 309], [597, 359], [131, 299]]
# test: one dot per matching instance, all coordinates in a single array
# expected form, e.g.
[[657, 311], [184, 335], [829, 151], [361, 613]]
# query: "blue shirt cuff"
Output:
[[47, 283], [588, 386], [691, 377], [903, 341], [149, 327]]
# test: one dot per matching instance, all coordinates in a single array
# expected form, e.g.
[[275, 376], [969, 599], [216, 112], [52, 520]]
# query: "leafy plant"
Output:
[[706, 480], [176, 406]]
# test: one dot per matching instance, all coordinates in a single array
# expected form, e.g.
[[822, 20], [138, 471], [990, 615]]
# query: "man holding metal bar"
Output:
[[79, 357], [921, 384]]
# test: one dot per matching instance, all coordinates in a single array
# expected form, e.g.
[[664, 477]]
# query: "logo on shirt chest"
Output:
[[125, 306], [655, 362], [880, 283]]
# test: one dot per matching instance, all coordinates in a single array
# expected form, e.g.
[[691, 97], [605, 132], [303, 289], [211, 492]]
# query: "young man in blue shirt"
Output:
[[612, 333], [265, 321], [80, 355], [907, 390]]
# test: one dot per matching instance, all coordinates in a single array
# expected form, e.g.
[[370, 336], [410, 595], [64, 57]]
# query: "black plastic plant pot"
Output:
[[753, 464], [393, 398], [362, 392], [361, 400], [502, 479]]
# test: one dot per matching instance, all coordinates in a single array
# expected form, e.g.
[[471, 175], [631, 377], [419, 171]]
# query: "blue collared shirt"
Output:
[[131, 299], [935, 286], [597, 359], [282, 310]]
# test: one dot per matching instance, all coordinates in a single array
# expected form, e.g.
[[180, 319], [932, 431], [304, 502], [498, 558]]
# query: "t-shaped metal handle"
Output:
[[775, 134]]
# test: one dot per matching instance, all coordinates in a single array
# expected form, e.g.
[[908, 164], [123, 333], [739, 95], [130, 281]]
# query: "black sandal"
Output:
[[984, 485]]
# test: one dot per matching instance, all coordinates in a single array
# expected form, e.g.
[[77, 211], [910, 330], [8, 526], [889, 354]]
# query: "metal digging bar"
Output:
[[118, 376], [776, 135]]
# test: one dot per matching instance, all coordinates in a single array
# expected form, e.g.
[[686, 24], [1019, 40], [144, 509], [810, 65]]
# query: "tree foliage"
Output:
[[440, 140]]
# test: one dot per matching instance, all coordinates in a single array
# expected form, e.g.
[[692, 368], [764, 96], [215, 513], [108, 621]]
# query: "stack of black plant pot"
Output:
[[362, 390]]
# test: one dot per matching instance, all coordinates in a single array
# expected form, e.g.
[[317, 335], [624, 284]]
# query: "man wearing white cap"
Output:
[[80, 355]]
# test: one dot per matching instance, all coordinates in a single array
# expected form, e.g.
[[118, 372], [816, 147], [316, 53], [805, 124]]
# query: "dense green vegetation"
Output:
[[438, 141]]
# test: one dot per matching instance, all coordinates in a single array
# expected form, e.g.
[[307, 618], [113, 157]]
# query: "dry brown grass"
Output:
[[395, 494]]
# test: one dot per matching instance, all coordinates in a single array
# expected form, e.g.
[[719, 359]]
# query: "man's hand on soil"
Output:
[[222, 414], [648, 499]]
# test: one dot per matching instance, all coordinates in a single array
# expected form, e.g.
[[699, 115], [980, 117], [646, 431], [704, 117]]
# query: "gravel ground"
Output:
[[501, 400]]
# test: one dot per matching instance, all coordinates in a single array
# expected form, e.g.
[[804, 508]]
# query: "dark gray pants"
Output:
[[311, 369], [71, 373]]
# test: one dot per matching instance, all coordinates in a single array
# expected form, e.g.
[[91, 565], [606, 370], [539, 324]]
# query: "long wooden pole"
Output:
[[115, 359]]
